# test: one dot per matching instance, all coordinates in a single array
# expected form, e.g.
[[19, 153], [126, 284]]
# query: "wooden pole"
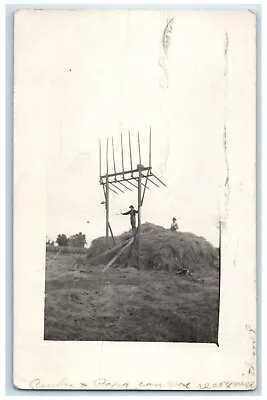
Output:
[[158, 179], [125, 172], [126, 187], [150, 148], [107, 209], [107, 157], [104, 191], [100, 162], [113, 190], [131, 183], [144, 191], [150, 180], [142, 184], [117, 255], [139, 148], [139, 214], [124, 180], [122, 157], [114, 164], [111, 234], [107, 196], [113, 184], [110, 251], [128, 263], [130, 150], [220, 241]]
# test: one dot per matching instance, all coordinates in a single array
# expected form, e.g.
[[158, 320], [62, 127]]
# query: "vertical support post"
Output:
[[139, 214], [150, 148], [144, 191], [112, 234], [107, 208], [220, 241], [107, 196]]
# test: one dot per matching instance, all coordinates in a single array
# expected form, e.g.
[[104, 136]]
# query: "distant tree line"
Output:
[[77, 240]]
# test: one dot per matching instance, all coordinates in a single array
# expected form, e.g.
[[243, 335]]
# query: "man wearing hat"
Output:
[[132, 212], [174, 225]]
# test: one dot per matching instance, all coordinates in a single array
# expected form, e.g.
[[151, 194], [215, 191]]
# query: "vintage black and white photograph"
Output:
[[136, 178], [142, 160]]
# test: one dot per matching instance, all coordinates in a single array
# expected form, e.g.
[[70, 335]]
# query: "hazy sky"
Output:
[[104, 72]]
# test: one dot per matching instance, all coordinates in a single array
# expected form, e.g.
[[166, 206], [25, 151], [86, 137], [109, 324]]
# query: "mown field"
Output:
[[125, 304]]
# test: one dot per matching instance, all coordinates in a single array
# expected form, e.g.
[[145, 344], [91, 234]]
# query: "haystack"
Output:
[[161, 249]]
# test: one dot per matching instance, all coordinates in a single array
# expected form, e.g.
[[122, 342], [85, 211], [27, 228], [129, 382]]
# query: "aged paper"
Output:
[[189, 77]]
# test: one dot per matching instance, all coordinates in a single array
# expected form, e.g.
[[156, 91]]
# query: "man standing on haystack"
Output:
[[132, 212], [174, 225]]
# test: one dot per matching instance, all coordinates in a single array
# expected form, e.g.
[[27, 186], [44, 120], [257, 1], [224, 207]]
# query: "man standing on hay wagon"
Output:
[[132, 212]]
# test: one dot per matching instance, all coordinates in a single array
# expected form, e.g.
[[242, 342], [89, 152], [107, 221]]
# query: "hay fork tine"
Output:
[[122, 157], [114, 164], [130, 151], [139, 148]]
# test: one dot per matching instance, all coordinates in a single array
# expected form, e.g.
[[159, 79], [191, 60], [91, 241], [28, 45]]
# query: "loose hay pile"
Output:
[[160, 249]]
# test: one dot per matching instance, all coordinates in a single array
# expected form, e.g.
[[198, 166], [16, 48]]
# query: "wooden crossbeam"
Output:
[[125, 172], [124, 180]]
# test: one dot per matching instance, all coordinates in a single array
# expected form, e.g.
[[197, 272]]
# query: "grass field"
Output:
[[125, 304]]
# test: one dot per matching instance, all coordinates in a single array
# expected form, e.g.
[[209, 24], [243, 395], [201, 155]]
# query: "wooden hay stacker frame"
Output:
[[130, 179]]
